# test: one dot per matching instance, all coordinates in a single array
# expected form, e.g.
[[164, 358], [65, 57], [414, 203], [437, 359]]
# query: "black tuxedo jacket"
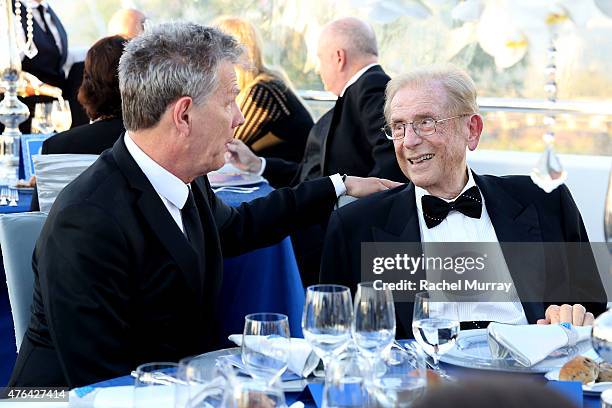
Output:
[[118, 284], [520, 212], [348, 139]]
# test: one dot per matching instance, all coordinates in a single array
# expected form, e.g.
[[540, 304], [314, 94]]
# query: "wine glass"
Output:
[[345, 380], [435, 326], [13, 197], [373, 327], [155, 385], [327, 318], [265, 345], [399, 379], [202, 382], [61, 116], [42, 122]]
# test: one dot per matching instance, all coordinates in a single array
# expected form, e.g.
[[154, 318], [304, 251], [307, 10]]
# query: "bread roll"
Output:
[[581, 369], [605, 372]]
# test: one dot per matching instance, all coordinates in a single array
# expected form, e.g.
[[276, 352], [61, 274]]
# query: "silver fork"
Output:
[[244, 190]]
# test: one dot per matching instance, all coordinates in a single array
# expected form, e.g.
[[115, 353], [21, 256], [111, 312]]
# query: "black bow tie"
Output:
[[435, 209]]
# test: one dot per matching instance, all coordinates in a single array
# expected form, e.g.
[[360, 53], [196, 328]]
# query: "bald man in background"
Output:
[[347, 139], [127, 23]]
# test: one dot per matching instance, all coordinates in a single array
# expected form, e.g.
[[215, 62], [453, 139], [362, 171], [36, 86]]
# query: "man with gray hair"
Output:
[[347, 139], [432, 119], [128, 266]]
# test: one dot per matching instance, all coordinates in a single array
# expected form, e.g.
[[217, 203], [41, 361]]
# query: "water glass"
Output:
[[155, 385], [61, 116], [202, 382], [399, 379], [42, 122], [373, 327], [327, 318], [345, 380], [435, 325], [265, 345], [245, 392]]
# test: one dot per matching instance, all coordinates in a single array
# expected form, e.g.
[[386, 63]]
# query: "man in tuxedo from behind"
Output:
[[346, 139], [432, 118], [128, 265]]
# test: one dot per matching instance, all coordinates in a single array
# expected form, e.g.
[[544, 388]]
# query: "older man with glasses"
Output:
[[432, 119]]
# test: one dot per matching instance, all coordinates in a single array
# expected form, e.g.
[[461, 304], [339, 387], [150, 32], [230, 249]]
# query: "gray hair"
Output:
[[167, 62], [460, 88], [356, 35]]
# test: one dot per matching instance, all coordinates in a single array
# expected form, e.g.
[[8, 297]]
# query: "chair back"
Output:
[[18, 235], [55, 171]]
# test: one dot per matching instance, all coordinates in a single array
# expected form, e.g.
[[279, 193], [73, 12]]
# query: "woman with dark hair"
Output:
[[276, 123], [99, 95]]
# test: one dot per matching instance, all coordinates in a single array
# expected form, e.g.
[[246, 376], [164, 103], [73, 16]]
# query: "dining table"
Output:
[[311, 395], [264, 280]]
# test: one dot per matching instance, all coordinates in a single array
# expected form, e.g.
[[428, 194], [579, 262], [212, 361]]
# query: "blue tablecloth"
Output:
[[265, 280]]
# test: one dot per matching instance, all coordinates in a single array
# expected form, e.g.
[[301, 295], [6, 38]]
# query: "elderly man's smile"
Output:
[[421, 159]]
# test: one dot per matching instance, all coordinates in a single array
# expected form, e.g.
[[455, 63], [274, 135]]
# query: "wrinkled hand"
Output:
[[242, 157], [362, 187], [576, 315]]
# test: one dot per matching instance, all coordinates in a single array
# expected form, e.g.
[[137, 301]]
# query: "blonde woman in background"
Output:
[[276, 122]]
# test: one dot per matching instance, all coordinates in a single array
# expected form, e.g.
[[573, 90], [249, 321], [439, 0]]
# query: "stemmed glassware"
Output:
[[265, 345], [374, 325], [42, 122], [398, 379], [435, 325], [155, 385], [13, 197], [4, 194], [326, 321], [61, 116]]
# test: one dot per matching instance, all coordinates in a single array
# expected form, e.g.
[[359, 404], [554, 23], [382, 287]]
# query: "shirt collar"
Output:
[[165, 183], [419, 192], [355, 77], [34, 5]]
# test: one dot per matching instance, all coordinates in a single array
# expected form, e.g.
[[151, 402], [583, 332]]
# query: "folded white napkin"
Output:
[[302, 360], [122, 397], [530, 344]]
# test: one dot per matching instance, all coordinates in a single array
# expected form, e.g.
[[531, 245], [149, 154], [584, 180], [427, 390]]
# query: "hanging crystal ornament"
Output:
[[12, 111], [549, 173], [28, 48]]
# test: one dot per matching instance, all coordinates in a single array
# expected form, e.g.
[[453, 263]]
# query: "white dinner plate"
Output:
[[230, 176], [588, 389], [472, 351]]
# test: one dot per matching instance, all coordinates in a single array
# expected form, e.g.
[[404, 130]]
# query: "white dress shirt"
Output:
[[172, 191], [457, 227], [356, 77]]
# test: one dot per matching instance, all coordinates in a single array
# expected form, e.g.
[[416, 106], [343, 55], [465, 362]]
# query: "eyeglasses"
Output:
[[422, 127]]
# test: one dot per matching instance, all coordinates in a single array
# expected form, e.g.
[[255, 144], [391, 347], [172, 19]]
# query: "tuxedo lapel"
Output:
[[62, 33], [159, 219], [402, 225], [516, 223]]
